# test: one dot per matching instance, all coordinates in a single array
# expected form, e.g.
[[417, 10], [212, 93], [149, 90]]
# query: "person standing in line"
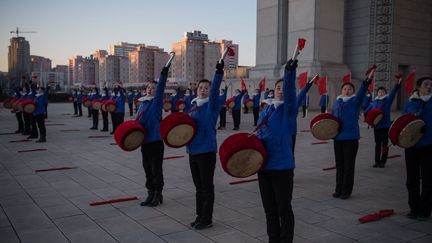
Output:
[[39, 114], [104, 97], [236, 109], [256, 105], [223, 110]]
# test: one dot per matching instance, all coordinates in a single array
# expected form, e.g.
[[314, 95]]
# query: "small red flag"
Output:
[[302, 79], [322, 85], [231, 51], [398, 75], [409, 82], [347, 78], [370, 69], [243, 85], [301, 43], [262, 85], [371, 87]]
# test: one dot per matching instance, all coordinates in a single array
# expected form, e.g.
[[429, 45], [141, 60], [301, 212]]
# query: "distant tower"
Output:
[[19, 58]]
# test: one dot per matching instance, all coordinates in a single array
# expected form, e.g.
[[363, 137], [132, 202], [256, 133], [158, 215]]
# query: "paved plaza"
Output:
[[53, 206]]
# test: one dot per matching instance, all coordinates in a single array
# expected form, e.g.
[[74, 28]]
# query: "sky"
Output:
[[67, 28]]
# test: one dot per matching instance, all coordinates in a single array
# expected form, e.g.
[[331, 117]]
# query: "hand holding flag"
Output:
[[302, 79], [409, 82], [300, 45]]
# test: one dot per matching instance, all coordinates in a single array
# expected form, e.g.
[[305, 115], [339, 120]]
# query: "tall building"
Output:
[[145, 63], [63, 70], [123, 49], [88, 71], [19, 64], [231, 62], [343, 36], [196, 57], [40, 64], [113, 69], [99, 54], [73, 70]]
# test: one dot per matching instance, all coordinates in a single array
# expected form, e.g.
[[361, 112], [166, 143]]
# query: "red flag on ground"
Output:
[[301, 43], [302, 79], [322, 85], [231, 51], [347, 78], [261, 85], [371, 87], [243, 85], [409, 82]]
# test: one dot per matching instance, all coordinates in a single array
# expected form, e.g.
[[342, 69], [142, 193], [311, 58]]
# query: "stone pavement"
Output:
[[54, 206]]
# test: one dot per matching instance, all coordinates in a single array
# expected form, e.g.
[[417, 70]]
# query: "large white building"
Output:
[[145, 63], [123, 48], [113, 69]]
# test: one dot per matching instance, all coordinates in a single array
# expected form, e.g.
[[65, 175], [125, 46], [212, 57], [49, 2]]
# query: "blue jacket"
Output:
[[366, 101], [324, 100], [256, 100], [104, 95], [423, 109], [385, 106], [299, 102], [120, 102], [174, 100], [348, 114], [94, 96], [79, 97], [222, 99], [275, 134], [205, 118], [245, 98], [237, 101], [130, 97], [152, 112], [40, 105]]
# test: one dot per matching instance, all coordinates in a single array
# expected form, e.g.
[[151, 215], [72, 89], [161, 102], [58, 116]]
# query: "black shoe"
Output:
[[411, 215], [31, 137], [336, 195], [343, 197], [148, 199], [201, 226], [25, 133], [375, 165], [93, 128], [41, 140], [18, 131], [235, 129], [157, 199], [104, 130], [423, 218], [111, 133], [381, 166]]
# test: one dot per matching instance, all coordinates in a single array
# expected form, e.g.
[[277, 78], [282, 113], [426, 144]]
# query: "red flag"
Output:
[[302, 79], [262, 85], [409, 82], [231, 51], [371, 87], [243, 85], [347, 78], [322, 85], [301, 43], [374, 66]]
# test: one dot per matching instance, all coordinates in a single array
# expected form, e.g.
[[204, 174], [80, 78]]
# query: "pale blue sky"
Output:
[[79, 27]]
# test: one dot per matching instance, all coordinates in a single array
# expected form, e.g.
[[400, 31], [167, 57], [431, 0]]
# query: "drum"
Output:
[[129, 135], [249, 103], [177, 129], [405, 131], [7, 103], [180, 105], [96, 104], [15, 103], [28, 106], [167, 105], [242, 155], [109, 106], [230, 103], [70, 98], [86, 102], [374, 116], [325, 126]]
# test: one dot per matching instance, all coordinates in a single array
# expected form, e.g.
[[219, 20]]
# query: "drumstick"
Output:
[[172, 55]]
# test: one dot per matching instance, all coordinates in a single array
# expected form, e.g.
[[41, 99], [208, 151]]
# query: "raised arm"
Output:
[[214, 88], [160, 88], [393, 93], [302, 95], [289, 89]]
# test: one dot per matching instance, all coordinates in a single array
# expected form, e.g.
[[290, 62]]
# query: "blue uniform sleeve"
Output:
[[289, 93], [159, 91], [214, 92], [392, 95], [361, 94], [302, 95]]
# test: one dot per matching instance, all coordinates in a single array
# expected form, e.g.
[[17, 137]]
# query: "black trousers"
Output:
[[246, 109], [276, 187], [345, 155], [222, 115], [27, 123], [75, 106], [79, 108], [255, 111], [95, 117], [19, 117], [117, 119], [419, 179], [304, 108], [236, 118], [130, 109], [294, 136], [105, 120], [202, 168], [381, 142], [40, 120], [323, 109], [46, 111], [113, 120], [152, 158], [89, 110], [33, 126]]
